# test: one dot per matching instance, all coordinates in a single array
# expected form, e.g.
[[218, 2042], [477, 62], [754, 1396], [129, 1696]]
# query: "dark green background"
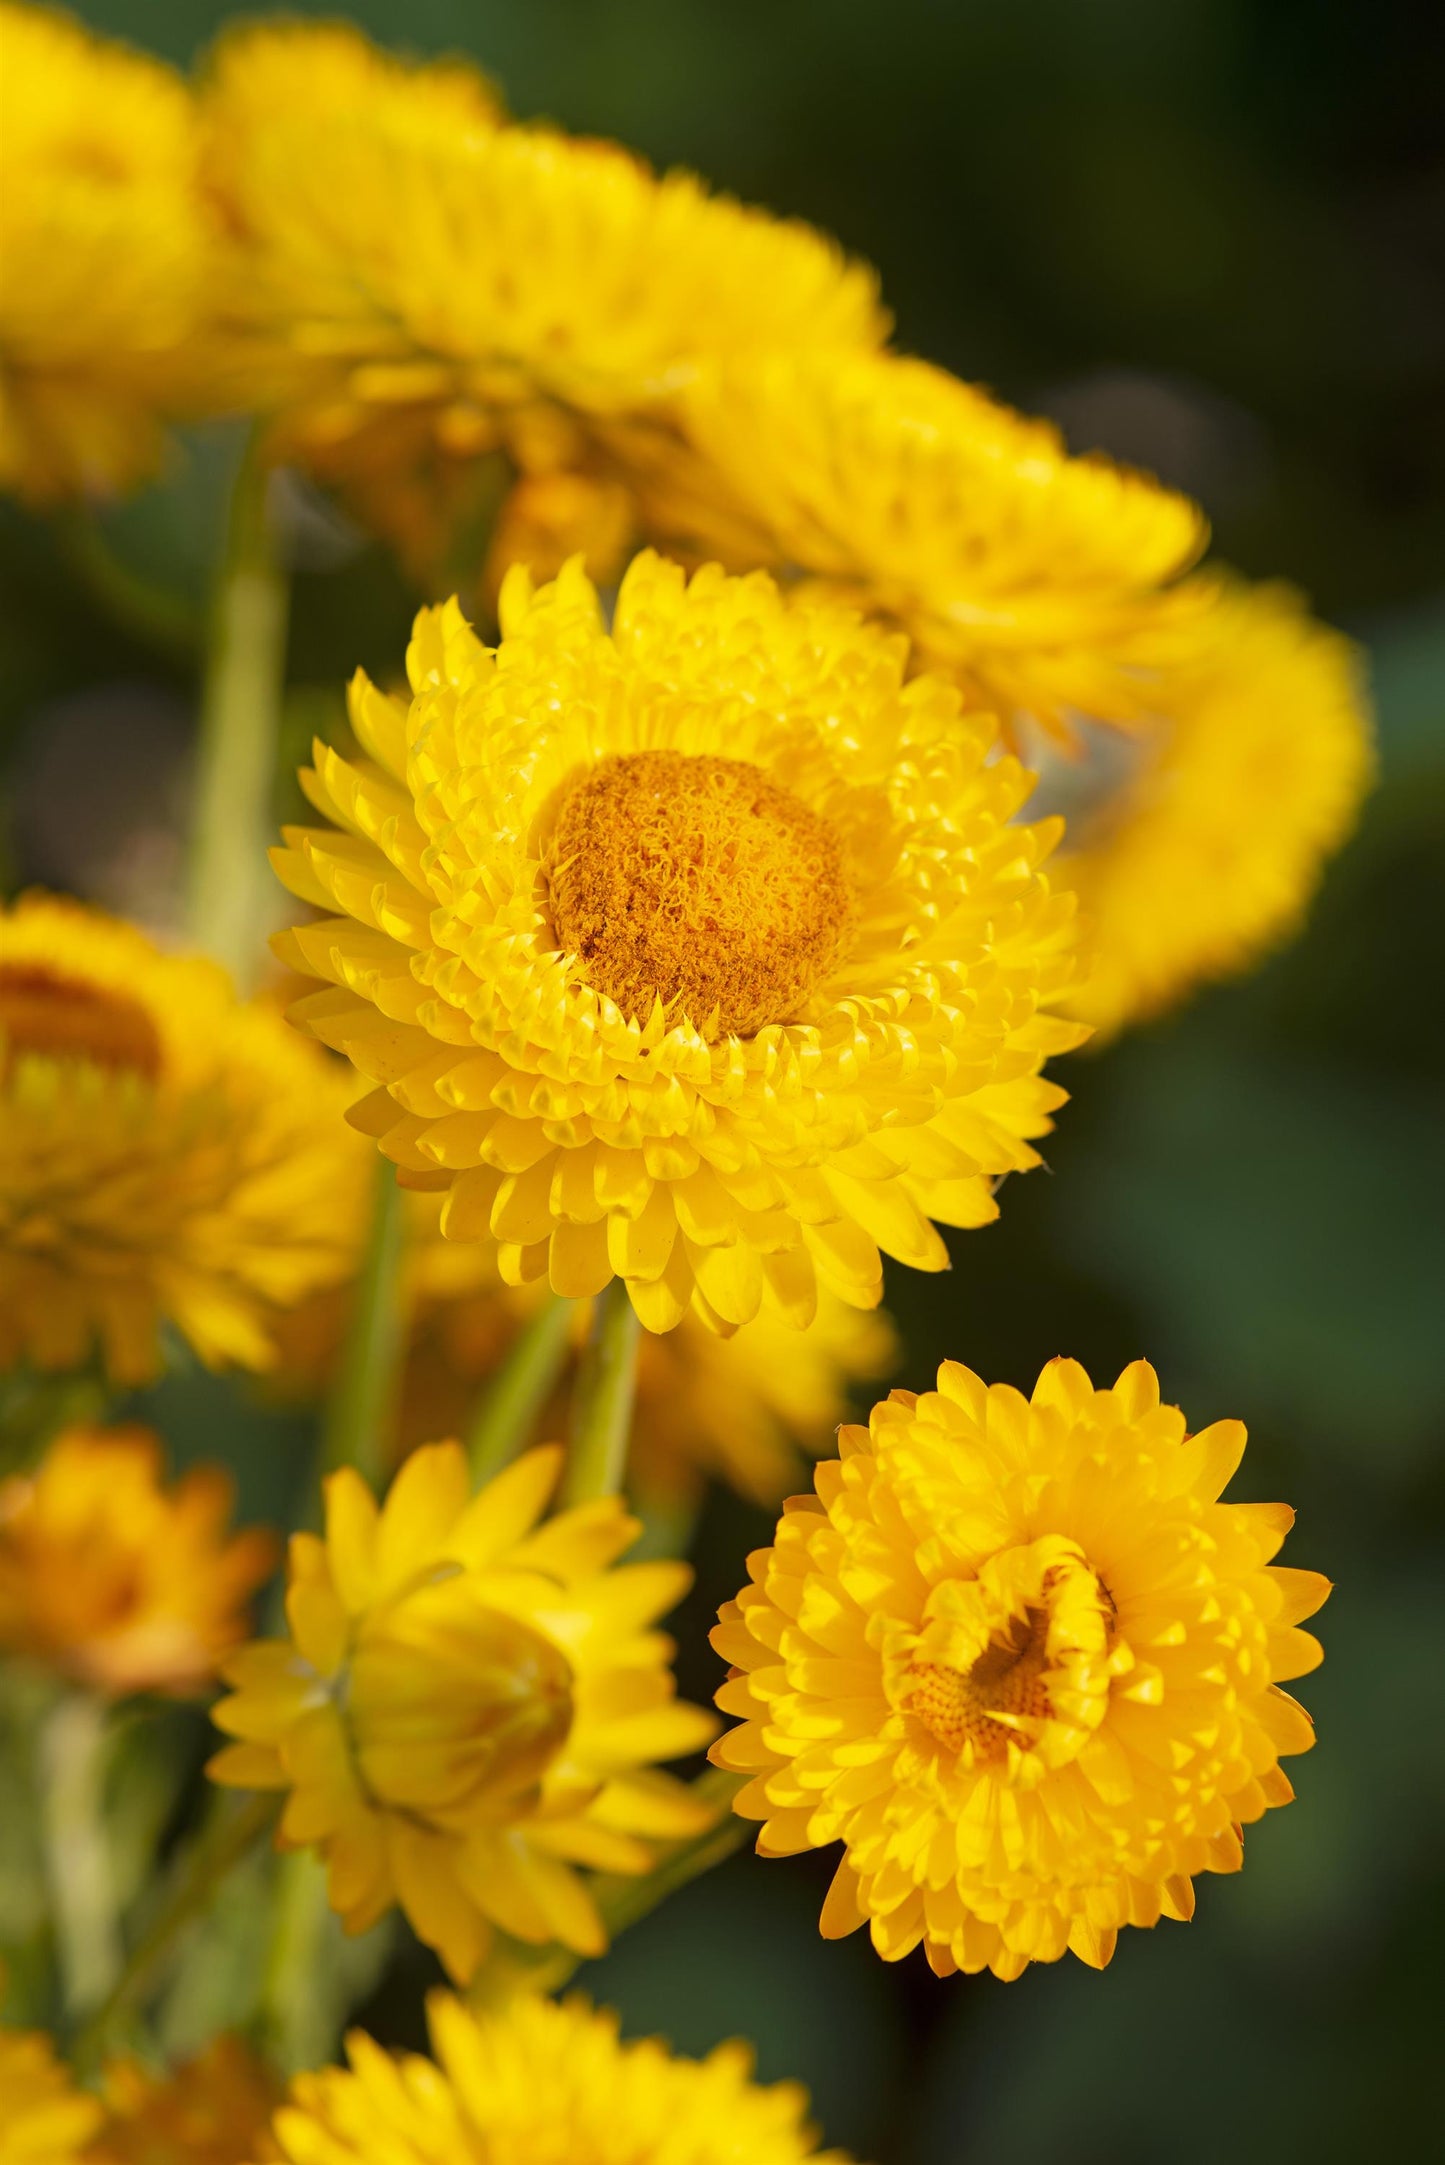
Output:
[[1207, 235]]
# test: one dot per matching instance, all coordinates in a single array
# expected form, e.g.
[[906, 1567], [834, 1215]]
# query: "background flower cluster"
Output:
[[1227, 1181]]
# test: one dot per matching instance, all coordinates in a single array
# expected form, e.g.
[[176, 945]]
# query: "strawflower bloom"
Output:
[[113, 1578], [44, 2119], [539, 2084], [412, 286], [1043, 585], [469, 1706], [1203, 851], [167, 1155], [1023, 1664], [214, 2110], [104, 246], [702, 952]]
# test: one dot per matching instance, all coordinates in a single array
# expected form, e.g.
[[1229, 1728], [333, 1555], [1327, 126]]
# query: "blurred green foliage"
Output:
[[1207, 236]]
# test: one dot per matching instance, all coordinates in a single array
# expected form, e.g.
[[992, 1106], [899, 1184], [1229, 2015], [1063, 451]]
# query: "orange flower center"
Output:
[[697, 881], [1018, 1656], [61, 1018], [990, 1704]]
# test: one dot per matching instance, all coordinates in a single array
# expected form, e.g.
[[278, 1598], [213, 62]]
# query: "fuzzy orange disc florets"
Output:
[[681, 877]]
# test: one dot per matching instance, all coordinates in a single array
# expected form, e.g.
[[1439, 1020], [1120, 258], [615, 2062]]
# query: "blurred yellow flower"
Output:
[[1039, 583], [115, 1580], [167, 1155], [104, 252], [214, 2110], [702, 952], [469, 1706], [542, 2084], [413, 285], [1211, 840], [1022, 1662], [44, 2119]]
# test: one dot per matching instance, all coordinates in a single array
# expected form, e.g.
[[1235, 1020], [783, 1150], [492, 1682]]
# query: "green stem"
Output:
[[519, 1390], [360, 1411], [74, 1754], [240, 722], [149, 613], [298, 1922], [602, 1403], [231, 1835]]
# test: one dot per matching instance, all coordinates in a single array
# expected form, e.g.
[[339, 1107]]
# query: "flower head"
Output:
[[468, 1706], [540, 2083], [1039, 583], [167, 1155], [414, 286], [104, 242], [44, 2119], [112, 1578], [214, 2110], [1023, 1663], [1212, 837], [702, 952]]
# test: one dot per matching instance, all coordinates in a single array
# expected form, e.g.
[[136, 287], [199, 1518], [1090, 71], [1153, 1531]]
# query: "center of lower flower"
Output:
[[1012, 1655], [455, 1708], [62, 1018], [700, 882]]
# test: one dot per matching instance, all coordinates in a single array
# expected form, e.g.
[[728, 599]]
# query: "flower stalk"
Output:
[[516, 1394], [230, 1836], [240, 726], [363, 1399], [74, 1758], [602, 1406]]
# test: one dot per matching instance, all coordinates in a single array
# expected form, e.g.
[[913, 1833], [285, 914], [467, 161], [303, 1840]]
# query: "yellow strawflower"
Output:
[[414, 285], [112, 1578], [1023, 1664], [703, 952], [542, 2084], [214, 2110], [469, 1706], [1041, 584], [104, 251], [1207, 847], [44, 2119], [167, 1155]]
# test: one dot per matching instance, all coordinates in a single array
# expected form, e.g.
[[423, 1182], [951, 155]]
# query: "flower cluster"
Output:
[[700, 933]]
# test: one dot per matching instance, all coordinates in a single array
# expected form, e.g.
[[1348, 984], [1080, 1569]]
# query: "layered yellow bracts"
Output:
[[702, 951], [1023, 1664], [469, 1706]]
